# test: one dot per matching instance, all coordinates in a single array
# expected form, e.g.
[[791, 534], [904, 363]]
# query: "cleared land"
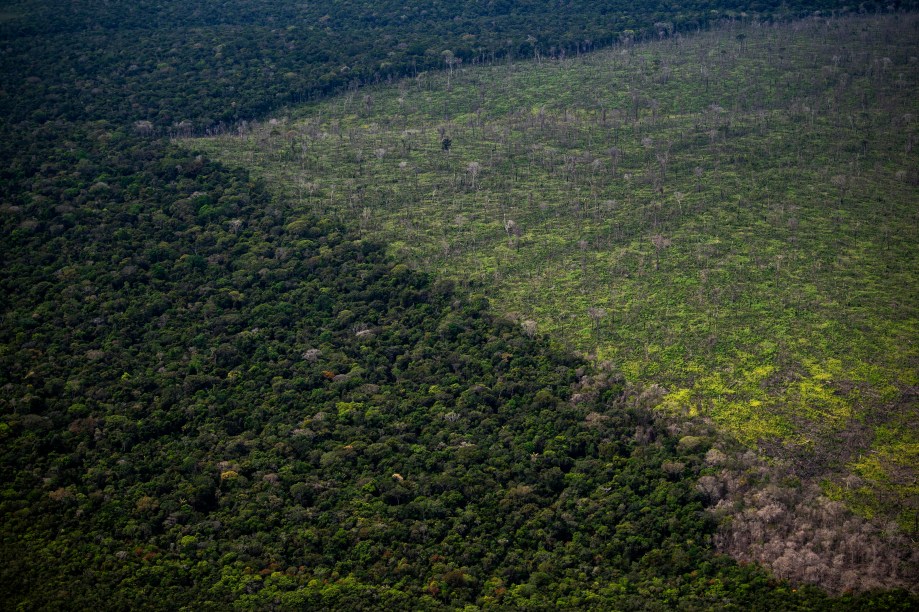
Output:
[[731, 215]]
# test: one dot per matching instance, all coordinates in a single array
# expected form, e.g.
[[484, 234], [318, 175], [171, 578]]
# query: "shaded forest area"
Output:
[[207, 402]]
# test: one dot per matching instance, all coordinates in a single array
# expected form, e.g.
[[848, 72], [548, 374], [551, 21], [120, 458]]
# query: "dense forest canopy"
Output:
[[211, 399], [169, 62]]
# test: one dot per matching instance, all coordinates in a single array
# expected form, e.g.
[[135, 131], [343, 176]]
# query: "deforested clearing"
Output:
[[730, 215]]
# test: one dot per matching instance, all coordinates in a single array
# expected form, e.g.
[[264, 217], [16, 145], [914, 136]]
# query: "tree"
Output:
[[473, 168], [513, 231]]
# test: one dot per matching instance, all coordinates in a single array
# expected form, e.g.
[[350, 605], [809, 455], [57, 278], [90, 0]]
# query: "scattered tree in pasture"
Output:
[[513, 231]]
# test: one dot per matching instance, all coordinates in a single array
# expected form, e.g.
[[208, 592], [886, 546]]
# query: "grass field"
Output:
[[732, 215]]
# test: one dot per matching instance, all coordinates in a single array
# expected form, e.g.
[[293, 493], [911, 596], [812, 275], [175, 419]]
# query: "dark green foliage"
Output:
[[206, 400], [190, 65]]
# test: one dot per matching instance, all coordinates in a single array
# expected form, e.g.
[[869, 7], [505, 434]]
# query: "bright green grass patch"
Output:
[[885, 477], [734, 219]]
